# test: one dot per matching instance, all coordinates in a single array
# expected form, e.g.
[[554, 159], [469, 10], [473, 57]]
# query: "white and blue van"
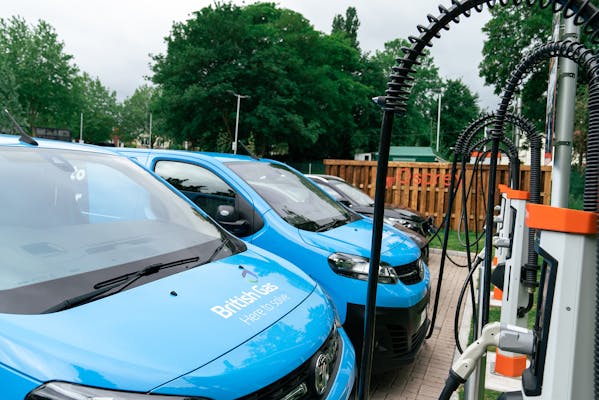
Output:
[[115, 287]]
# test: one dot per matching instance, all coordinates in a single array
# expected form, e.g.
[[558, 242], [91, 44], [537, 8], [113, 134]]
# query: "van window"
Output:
[[201, 186], [295, 198], [209, 191]]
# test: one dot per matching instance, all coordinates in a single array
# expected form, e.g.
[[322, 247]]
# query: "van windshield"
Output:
[[295, 198], [358, 196], [70, 217]]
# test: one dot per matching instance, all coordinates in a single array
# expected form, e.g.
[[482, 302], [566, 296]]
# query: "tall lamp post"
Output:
[[239, 97], [438, 119], [81, 129]]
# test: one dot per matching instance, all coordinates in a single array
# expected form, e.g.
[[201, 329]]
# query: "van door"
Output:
[[214, 195]]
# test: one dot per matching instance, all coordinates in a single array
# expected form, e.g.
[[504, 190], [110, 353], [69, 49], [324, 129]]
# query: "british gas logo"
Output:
[[248, 275], [238, 303]]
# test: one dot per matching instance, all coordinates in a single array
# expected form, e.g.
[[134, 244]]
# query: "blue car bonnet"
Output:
[[356, 237], [144, 337]]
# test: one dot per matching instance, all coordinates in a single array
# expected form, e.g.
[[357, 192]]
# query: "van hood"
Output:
[[396, 212], [142, 338], [356, 238], [277, 352]]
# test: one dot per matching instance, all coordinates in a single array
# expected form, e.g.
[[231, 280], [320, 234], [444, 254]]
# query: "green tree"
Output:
[[99, 108], [581, 125], [511, 33], [302, 84], [415, 127], [135, 113], [36, 74], [10, 101], [458, 109], [347, 26], [368, 115]]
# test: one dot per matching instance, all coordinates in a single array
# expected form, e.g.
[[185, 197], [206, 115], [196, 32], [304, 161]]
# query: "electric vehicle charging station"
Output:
[[562, 362], [515, 295], [502, 221], [575, 251], [501, 241]]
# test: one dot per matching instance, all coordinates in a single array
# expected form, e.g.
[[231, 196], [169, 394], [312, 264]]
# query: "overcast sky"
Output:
[[112, 39]]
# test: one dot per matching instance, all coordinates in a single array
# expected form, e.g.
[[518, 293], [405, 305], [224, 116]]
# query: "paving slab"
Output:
[[425, 377]]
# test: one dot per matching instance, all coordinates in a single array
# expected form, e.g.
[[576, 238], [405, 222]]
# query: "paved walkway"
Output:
[[425, 378]]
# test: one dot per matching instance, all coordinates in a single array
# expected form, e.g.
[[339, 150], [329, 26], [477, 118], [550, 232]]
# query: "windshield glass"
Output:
[[67, 214], [358, 196], [331, 192], [295, 198]]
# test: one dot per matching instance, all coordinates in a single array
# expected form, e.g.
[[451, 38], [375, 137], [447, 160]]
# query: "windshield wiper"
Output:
[[218, 250], [333, 224], [125, 280]]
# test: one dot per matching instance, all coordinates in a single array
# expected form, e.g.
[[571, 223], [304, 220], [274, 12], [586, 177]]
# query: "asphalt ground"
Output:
[[425, 377]]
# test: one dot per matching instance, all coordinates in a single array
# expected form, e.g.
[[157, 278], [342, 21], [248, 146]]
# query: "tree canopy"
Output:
[[458, 109], [303, 94], [99, 108], [416, 126], [135, 113], [37, 75], [42, 87], [302, 84], [511, 33], [347, 26]]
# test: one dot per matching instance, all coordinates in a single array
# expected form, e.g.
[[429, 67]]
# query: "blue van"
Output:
[[269, 204], [114, 286]]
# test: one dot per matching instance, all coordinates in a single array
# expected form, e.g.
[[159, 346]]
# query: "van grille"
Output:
[[400, 342], [301, 380], [409, 274]]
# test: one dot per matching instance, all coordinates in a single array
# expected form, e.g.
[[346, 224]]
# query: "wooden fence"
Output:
[[425, 186]]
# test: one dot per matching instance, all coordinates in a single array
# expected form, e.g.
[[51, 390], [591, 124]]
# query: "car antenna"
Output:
[[24, 136], [248, 151]]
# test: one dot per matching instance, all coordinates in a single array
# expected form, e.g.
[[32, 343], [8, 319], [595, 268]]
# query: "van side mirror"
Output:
[[228, 217]]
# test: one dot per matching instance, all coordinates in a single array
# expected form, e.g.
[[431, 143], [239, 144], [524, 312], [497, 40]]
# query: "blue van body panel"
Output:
[[212, 330], [310, 250], [15, 385], [134, 350], [221, 379], [357, 237], [281, 237]]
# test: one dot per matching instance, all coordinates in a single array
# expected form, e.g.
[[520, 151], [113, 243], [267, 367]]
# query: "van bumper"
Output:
[[399, 333], [346, 374]]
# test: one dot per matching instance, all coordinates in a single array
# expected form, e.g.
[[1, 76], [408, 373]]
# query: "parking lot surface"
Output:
[[425, 378]]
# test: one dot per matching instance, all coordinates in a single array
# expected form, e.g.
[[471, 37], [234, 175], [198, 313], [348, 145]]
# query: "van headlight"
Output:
[[69, 391], [400, 221], [357, 267]]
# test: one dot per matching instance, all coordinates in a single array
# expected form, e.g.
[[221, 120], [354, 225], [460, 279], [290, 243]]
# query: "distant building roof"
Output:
[[412, 153], [404, 153]]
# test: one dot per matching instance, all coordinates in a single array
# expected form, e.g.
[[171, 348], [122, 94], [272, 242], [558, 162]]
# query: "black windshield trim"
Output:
[[39, 297]]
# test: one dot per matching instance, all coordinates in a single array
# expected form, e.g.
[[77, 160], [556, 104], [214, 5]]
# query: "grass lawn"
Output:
[[457, 242]]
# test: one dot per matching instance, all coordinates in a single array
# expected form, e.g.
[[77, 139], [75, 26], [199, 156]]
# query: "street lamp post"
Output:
[[81, 129], [239, 97], [150, 130], [438, 119]]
